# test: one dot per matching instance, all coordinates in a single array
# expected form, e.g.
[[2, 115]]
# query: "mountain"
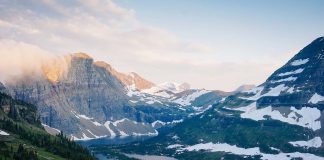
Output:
[[131, 79], [22, 135], [279, 119], [86, 89], [167, 89], [87, 99], [243, 88]]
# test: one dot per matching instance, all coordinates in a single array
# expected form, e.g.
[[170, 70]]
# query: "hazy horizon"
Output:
[[208, 44]]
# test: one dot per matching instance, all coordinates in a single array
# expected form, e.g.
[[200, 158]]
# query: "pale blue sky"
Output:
[[246, 27], [207, 43]]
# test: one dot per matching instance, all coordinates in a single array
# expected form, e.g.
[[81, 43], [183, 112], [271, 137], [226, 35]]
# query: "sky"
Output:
[[209, 43]]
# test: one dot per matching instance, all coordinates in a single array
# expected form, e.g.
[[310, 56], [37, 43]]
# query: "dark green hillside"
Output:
[[28, 139]]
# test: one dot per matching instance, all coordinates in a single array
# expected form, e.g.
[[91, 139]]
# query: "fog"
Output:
[[19, 60]]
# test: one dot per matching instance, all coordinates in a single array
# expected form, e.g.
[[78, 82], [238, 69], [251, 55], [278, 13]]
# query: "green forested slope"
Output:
[[28, 139]]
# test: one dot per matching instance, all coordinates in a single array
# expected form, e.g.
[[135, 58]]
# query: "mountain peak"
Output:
[[174, 87], [244, 87], [127, 79], [299, 79], [139, 82], [81, 55], [104, 65]]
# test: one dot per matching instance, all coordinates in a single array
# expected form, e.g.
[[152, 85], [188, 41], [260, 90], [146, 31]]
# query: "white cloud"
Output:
[[19, 58], [112, 33]]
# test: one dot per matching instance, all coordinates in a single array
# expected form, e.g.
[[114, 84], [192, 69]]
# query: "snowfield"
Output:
[[305, 117], [224, 147]]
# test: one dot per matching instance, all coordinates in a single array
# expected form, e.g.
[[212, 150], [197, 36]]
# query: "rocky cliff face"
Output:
[[86, 89], [87, 99]]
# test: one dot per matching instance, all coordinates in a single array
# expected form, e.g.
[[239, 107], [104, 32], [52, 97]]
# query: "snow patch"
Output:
[[97, 123], [133, 101], [119, 121], [299, 62], [316, 98], [157, 122], [83, 138], [308, 117], [155, 133], [272, 92], [315, 142], [162, 89], [300, 70], [112, 133], [290, 90], [95, 135], [149, 157], [174, 146], [150, 102], [122, 133], [285, 80], [4, 133], [84, 117], [186, 100], [224, 147], [175, 137], [223, 100], [166, 123], [131, 90]]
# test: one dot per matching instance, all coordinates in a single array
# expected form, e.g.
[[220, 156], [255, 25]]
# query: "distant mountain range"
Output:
[[280, 119], [89, 99]]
